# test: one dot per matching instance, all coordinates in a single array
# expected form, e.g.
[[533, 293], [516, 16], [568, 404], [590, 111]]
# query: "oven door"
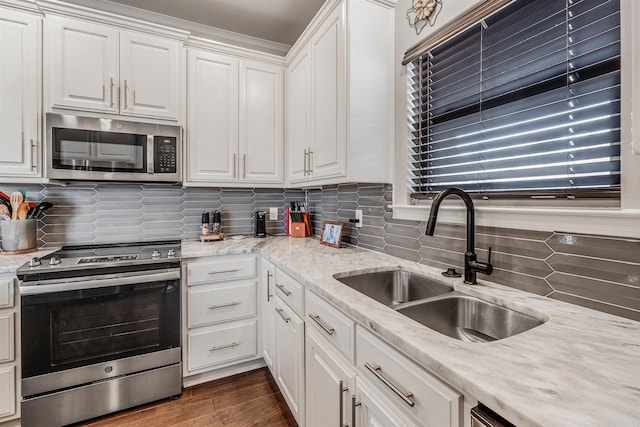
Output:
[[83, 322]]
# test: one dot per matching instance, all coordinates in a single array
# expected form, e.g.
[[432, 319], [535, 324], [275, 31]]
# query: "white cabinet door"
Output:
[[149, 73], [83, 65], [289, 332], [298, 116], [7, 391], [371, 410], [328, 157], [213, 117], [261, 123], [329, 382], [267, 276], [7, 337], [19, 92]]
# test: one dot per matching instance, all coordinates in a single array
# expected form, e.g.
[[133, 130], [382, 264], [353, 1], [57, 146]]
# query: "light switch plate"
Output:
[[273, 214], [359, 218]]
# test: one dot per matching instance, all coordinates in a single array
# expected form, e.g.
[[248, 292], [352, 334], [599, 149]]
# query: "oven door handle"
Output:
[[90, 282]]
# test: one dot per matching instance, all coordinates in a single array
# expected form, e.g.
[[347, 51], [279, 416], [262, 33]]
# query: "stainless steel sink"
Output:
[[469, 319], [396, 286]]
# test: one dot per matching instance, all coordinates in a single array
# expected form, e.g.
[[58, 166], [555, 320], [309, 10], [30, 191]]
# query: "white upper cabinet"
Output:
[[212, 117], [19, 93], [340, 95], [99, 68], [149, 73], [235, 120], [261, 122]]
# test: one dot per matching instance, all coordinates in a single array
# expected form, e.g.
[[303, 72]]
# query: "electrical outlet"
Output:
[[359, 218], [273, 214]]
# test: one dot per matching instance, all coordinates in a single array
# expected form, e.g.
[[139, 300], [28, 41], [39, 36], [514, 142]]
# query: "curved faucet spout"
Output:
[[471, 265]]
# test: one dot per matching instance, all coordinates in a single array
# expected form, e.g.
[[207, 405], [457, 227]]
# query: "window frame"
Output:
[[611, 217]]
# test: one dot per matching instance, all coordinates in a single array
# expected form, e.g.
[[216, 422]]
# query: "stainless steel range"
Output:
[[100, 330]]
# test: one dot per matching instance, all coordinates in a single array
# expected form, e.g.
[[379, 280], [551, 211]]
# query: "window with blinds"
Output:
[[526, 101]]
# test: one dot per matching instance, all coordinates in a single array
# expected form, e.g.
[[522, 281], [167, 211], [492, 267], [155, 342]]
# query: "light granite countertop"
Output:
[[580, 368], [10, 263]]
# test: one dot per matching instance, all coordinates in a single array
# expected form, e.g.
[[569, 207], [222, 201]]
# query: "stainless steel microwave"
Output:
[[103, 149]]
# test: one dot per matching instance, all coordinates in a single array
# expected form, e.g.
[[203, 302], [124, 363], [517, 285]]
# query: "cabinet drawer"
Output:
[[6, 291], [7, 337], [7, 391], [225, 343], [290, 291], [220, 269], [208, 304], [435, 403], [331, 323]]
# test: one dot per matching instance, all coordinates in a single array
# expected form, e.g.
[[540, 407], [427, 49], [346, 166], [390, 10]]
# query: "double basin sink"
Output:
[[436, 305]]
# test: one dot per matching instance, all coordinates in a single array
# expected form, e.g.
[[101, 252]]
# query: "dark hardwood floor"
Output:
[[249, 399]]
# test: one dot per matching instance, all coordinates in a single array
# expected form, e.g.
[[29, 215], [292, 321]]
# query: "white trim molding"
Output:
[[604, 221]]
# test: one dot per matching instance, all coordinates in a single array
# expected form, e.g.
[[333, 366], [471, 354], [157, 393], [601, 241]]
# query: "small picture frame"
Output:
[[331, 233]]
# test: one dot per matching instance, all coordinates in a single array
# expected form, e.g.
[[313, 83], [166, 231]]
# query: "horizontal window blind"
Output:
[[525, 101]]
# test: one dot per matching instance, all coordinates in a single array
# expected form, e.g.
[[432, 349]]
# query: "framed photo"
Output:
[[331, 233]]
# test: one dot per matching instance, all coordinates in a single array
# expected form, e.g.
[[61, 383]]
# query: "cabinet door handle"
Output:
[[230, 304], [281, 313], [34, 154], [126, 97], [310, 154], [284, 290], [111, 92], [328, 329], [354, 405], [234, 165], [222, 347], [233, 270], [244, 166], [306, 157], [341, 404], [269, 275], [377, 371]]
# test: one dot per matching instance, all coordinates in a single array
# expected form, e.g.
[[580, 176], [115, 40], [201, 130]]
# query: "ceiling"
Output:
[[280, 21]]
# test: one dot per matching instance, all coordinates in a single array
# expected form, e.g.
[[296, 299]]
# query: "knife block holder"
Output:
[[302, 229]]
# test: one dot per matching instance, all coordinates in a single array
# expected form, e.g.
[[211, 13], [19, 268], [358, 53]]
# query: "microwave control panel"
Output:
[[165, 154]]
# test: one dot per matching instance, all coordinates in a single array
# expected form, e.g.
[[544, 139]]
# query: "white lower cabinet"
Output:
[[267, 295], [330, 381], [220, 313], [405, 386], [9, 352], [289, 358]]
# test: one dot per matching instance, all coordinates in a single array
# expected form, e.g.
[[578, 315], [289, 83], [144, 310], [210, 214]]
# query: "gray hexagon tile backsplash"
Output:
[[602, 273]]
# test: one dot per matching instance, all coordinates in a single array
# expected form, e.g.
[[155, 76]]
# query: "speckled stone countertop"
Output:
[[580, 368], [10, 263]]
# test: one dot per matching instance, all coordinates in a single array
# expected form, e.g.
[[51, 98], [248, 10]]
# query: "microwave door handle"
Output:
[[150, 153]]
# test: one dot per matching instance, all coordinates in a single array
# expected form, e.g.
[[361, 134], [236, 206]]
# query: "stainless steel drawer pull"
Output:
[[269, 276], [284, 290], [224, 271], [222, 347], [230, 304], [377, 371], [281, 313], [328, 329]]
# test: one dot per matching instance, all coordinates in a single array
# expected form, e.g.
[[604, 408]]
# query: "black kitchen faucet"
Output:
[[471, 264]]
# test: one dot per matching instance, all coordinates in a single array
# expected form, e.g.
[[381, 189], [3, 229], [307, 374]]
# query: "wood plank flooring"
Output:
[[243, 400]]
